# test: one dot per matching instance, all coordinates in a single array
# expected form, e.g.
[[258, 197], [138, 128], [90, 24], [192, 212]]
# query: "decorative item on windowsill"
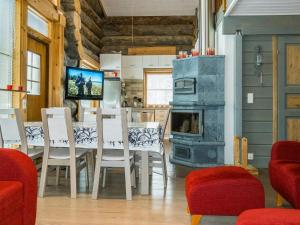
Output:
[[195, 53], [210, 51], [259, 64]]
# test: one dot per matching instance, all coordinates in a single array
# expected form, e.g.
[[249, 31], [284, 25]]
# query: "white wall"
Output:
[[226, 45]]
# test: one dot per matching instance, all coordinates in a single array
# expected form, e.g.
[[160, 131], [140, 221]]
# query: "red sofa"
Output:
[[18, 188], [269, 217], [284, 171]]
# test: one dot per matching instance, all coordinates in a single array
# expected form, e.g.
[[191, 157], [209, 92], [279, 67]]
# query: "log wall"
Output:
[[83, 32], [89, 31], [147, 31]]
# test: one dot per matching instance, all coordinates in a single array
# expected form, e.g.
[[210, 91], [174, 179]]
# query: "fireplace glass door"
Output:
[[187, 123]]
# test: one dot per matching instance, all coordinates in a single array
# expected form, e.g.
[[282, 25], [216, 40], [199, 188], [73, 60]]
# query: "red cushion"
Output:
[[11, 198], [286, 150], [225, 190], [269, 217], [285, 179], [16, 166]]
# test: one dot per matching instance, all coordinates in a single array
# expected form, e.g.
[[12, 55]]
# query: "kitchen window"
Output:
[[158, 88]]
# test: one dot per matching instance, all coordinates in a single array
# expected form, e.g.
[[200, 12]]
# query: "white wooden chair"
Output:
[[12, 132], [157, 159], [60, 148], [112, 127], [87, 114]]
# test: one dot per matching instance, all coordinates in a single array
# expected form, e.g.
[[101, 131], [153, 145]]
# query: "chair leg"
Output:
[[87, 178], [133, 178], [67, 172], [128, 181], [164, 171], [73, 179], [279, 200], [57, 175], [196, 219], [96, 178], [104, 177], [43, 180]]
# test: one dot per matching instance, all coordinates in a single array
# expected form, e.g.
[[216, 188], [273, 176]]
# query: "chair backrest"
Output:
[[112, 129], [58, 128], [164, 125], [12, 131], [87, 114], [129, 114]]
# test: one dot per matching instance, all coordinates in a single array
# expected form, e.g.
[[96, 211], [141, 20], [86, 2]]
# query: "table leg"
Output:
[[145, 173]]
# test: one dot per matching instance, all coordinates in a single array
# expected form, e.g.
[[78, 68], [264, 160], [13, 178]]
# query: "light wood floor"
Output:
[[161, 207]]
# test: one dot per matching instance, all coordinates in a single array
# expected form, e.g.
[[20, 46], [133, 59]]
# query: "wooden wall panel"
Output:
[[293, 127], [163, 50], [293, 65], [293, 101], [257, 117]]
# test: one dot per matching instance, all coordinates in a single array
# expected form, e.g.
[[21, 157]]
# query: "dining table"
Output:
[[143, 137]]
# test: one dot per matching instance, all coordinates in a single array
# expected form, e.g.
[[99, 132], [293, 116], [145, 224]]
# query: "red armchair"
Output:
[[18, 188], [284, 172], [269, 217]]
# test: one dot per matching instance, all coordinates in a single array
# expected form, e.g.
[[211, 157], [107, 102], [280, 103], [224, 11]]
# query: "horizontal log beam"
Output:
[[140, 30], [152, 20], [71, 5], [148, 40], [98, 7], [91, 54], [85, 31], [89, 45], [90, 12], [88, 22]]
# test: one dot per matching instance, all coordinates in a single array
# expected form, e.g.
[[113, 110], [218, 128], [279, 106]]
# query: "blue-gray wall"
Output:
[[257, 117]]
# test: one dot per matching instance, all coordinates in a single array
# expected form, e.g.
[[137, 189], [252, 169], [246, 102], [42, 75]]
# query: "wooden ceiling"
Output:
[[266, 7], [150, 8]]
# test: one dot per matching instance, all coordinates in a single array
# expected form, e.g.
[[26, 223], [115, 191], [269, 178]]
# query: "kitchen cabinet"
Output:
[[133, 73], [150, 61], [166, 61], [143, 115], [132, 61], [110, 61]]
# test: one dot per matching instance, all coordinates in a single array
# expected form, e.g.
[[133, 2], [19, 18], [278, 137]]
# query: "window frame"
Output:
[[166, 71]]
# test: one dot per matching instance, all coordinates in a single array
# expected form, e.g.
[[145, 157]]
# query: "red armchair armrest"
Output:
[[286, 150], [16, 166]]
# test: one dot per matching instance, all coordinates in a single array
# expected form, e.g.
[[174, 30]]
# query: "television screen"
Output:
[[84, 84]]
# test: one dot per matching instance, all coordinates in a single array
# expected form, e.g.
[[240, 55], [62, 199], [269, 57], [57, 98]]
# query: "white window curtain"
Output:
[[7, 15]]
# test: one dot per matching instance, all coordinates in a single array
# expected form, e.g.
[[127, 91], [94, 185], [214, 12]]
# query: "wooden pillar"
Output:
[[56, 63], [237, 157], [20, 55], [245, 152]]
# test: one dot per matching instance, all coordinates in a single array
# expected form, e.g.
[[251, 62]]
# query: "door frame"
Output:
[[47, 77], [57, 23], [279, 84]]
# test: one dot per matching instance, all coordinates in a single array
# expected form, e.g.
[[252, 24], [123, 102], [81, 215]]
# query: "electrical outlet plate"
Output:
[[250, 156], [250, 98]]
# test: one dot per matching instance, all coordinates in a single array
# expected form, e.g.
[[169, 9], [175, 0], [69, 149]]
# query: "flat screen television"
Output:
[[84, 84]]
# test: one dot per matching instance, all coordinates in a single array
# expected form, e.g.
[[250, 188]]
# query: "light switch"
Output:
[[250, 98]]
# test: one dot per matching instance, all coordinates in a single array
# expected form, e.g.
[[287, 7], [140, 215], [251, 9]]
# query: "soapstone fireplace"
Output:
[[198, 111]]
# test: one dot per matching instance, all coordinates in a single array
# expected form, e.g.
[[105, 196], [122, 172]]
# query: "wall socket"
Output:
[[250, 156]]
